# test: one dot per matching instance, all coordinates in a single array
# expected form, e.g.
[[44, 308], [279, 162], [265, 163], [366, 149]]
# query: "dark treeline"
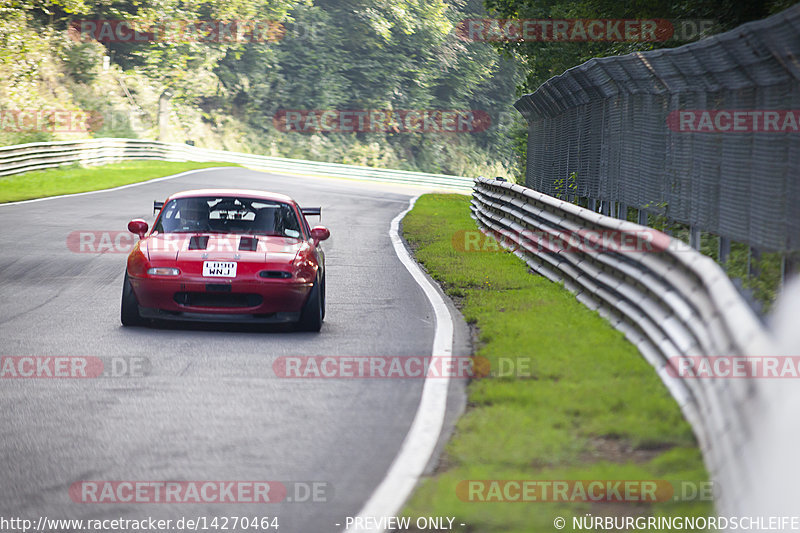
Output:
[[542, 60]]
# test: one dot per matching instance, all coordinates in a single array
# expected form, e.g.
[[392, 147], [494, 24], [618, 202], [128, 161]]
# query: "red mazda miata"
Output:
[[227, 255]]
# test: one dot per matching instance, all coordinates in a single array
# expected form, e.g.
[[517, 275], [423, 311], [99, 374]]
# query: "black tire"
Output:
[[323, 298], [129, 311], [313, 310]]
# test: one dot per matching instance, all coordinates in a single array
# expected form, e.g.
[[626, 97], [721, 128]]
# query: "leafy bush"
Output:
[[84, 61]]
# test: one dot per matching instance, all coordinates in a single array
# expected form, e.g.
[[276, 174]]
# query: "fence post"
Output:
[[694, 237], [724, 249], [789, 266], [753, 269]]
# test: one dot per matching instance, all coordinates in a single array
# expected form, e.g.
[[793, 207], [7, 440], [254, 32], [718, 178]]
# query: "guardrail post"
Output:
[[724, 249], [593, 205], [789, 266], [753, 257], [783, 270], [694, 237]]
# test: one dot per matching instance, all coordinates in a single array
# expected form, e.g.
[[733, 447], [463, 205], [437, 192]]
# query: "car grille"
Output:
[[217, 299]]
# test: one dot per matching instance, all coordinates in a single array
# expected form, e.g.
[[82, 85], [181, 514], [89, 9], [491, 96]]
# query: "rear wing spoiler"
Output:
[[307, 211]]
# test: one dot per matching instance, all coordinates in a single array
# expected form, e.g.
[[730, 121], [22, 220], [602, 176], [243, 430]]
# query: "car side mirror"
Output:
[[138, 226], [320, 233]]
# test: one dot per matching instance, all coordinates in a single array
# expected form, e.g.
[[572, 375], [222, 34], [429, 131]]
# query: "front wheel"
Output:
[[313, 310], [129, 312]]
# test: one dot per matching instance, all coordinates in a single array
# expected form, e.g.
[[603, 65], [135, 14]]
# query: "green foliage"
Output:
[[13, 137], [564, 188], [544, 60], [760, 274], [335, 54], [83, 62]]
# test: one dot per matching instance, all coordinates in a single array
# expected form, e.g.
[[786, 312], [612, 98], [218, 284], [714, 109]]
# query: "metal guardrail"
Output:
[[37, 156], [672, 303]]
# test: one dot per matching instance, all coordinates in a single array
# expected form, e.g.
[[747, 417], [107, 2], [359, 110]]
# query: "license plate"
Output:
[[219, 269]]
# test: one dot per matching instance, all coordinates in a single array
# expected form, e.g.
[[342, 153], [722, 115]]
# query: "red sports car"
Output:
[[227, 255]]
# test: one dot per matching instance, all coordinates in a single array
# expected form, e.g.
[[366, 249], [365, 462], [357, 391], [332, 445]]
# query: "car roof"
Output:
[[248, 193]]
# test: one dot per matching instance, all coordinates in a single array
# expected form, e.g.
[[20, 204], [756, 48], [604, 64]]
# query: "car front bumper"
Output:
[[270, 300]]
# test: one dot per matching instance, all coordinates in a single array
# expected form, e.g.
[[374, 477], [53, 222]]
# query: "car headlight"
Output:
[[163, 271]]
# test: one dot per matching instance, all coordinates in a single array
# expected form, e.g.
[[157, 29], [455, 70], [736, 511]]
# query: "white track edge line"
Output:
[[86, 193], [421, 439]]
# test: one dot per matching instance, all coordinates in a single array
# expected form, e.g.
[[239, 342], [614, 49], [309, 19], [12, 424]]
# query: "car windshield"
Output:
[[226, 214]]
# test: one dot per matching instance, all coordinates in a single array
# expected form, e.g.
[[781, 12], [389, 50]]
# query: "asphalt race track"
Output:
[[209, 406]]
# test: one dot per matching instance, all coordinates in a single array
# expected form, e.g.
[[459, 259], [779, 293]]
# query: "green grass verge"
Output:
[[589, 408], [74, 178]]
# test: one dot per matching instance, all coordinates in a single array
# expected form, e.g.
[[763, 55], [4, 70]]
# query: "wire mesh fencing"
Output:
[[706, 135]]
